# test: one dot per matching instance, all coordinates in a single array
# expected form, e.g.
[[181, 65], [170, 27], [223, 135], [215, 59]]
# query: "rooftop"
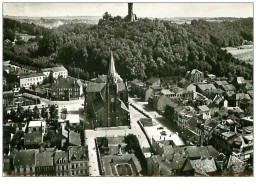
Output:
[[31, 75], [44, 158], [25, 158]]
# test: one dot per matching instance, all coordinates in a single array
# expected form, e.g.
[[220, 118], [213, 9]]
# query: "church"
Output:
[[106, 100]]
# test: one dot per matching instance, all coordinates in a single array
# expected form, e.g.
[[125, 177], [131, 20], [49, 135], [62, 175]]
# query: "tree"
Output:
[[20, 113], [107, 16], [28, 114], [51, 78], [53, 112], [36, 113]]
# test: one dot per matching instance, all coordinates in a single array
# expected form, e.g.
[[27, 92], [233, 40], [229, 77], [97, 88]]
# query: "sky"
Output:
[[157, 10]]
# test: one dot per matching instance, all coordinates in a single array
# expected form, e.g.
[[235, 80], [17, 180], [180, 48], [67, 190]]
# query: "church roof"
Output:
[[98, 105], [95, 87], [123, 106]]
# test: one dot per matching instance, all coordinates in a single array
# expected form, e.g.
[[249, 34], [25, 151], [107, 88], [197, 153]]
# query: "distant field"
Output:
[[245, 53]]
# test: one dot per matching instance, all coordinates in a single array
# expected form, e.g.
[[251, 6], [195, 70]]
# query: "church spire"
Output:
[[112, 70], [112, 74]]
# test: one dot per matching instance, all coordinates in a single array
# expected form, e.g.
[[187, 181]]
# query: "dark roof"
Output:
[[219, 83], [74, 138], [60, 155], [95, 87], [204, 87], [212, 151], [78, 153], [98, 105], [33, 138], [25, 158], [152, 80], [229, 87], [66, 82], [8, 95], [44, 158], [195, 152]]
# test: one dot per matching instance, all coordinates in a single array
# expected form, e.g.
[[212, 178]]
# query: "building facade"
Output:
[[107, 103]]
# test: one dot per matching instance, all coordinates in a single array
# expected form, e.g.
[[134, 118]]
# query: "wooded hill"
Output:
[[141, 49]]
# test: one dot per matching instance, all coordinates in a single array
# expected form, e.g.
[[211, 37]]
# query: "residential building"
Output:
[[45, 164], [204, 111], [153, 81], [79, 161], [67, 89], [195, 76], [205, 89], [61, 162], [59, 71], [24, 162], [36, 126], [28, 80]]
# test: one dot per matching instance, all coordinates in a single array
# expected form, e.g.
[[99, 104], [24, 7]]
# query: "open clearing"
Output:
[[244, 52]]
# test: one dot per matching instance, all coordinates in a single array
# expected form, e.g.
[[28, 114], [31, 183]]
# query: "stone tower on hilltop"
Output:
[[131, 17]]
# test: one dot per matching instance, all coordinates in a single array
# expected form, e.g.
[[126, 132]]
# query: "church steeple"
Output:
[[112, 74]]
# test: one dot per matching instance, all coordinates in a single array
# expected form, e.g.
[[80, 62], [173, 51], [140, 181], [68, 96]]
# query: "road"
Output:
[[161, 122]]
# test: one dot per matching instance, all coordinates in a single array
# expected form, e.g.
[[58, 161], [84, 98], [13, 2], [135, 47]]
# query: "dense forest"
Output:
[[141, 49]]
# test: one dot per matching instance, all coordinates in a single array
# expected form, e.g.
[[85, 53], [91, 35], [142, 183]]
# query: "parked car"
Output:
[[160, 128]]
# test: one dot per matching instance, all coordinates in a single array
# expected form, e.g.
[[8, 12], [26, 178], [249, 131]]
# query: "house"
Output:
[[241, 96], [79, 160], [24, 37], [211, 77], [162, 102], [28, 80], [36, 126], [195, 76], [66, 89], [218, 84], [61, 163], [45, 164], [205, 89], [72, 120], [204, 111], [228, 88], [151, 91], [240, 81], [138, 89], [24, 162], [153, 81], [59, 71]]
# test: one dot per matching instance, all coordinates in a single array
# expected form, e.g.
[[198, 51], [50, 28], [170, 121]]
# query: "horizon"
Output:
[[142, 10], [122, 16]]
